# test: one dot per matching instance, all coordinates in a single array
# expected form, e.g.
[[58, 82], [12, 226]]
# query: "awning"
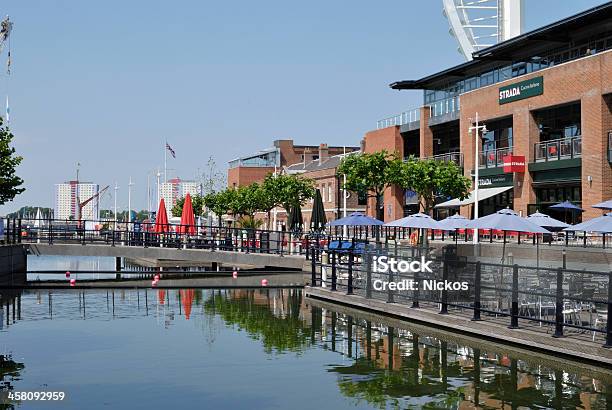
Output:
[[483, 193]]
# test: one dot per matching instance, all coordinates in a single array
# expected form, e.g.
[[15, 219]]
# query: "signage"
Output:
[[520, 90], [495, 180], [514, 163], [410, 197]]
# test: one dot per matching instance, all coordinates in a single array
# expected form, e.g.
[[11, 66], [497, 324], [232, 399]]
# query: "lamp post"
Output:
[[478, 128], [129, 215], [115, 210]]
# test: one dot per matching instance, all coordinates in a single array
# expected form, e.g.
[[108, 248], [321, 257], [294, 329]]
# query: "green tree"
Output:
[[197, 201], [220, 202], [430, 179], [288, 190], [10, 183], [371, 173], [247, 200]]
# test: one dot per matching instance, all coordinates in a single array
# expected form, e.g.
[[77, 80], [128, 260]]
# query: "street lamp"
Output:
[[479, 129], [129, 215]]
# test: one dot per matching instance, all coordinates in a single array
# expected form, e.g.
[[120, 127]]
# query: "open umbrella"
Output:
[[546, 221], [318, 218], [420, 221], [296, 221], [161, 219], [567, 206], [604, 205], [356, 219], [454, 222], [601, 224], [187, 218]]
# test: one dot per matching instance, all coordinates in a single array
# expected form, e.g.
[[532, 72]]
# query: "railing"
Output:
[[494, 158], [559, 302], [447, 106], [403, 118], [564, 148], [456, 157]]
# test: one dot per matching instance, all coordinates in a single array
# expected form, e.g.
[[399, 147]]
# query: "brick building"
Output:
[[546, 100], [254, 167]]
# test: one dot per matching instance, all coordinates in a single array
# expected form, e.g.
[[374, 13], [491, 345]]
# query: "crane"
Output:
[[88, 200]]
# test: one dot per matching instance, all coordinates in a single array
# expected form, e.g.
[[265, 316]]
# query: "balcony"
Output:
[[493, 158], [443, 107], [555, 150], [403, 118], [456, 157]]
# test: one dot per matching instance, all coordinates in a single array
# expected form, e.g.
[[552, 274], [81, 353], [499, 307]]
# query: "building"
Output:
[[174, 189], [254, 167], [546, 99], [69, 194], [323, 171]]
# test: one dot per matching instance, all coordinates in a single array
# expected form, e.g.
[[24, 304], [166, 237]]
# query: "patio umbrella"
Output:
[[454, 222], [602, 224], [546, 221], [296, 221], [506, 220], [567, 206], [356, 219], [187, 218], [318, 218], [161, 219], [604, 205], [420, 221]]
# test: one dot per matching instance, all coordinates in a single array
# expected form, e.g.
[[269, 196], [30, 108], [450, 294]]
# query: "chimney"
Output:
[[323, 153]]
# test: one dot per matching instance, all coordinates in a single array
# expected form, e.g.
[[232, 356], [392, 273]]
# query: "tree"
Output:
[[211, 179], [220, 202], [371, 173], [430, 179], [289, 190], [197, 201], [246, 201], [9, 182]]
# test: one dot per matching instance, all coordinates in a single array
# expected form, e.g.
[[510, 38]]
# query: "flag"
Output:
[[8, 111], [168, 147]]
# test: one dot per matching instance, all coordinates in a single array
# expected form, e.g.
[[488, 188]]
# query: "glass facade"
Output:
[[262, 159]]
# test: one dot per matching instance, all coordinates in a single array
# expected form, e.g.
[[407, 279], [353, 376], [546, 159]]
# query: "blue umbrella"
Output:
[[454, 222], [419, 220], [602, 224], [567, 205], [544, 220], [506, 220], [604, 205], [356, 219]]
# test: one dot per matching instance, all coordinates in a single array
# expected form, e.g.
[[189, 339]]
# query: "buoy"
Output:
[[156, 277], [264, 282], [234, 274], [67, 273], [153, 283], [72, 282]]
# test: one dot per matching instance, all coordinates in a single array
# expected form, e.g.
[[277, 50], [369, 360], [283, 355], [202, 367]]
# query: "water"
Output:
[[259, 349]]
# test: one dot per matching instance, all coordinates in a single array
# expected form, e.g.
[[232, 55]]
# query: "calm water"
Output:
[[260, 349]]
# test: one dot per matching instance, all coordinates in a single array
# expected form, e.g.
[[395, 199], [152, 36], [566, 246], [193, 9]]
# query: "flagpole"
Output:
[[166, 162]]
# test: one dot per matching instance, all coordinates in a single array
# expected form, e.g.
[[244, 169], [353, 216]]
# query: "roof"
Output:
[[316, 165], [581, 25]]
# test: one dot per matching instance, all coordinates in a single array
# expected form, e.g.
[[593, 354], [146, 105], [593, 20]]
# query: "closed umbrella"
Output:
[[187, 218], [356, 219], [161, 219], [318, 218], [604, 205], [296, 221]]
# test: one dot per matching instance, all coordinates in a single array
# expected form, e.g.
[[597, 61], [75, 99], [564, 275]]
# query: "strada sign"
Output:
[[520, 90], [514, 163]]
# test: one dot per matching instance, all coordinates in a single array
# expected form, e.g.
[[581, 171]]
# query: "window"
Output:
[[362, 198]]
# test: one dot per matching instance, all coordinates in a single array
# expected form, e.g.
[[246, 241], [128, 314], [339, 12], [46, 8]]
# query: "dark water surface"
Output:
[[257, 349]]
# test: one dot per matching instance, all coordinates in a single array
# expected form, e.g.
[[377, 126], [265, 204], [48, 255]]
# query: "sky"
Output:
[[106, 83]]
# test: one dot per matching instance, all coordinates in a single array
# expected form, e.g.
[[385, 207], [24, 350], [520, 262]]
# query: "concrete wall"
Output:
[[13, 265]]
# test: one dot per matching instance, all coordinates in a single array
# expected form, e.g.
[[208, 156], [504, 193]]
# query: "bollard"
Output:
[[334, 277], [349, 286], [444, 304], [514, 307], [324, 268], [559, 305], [564, 254], [313, 265], [416, 291], [477, 278], [390, 296], [609, 316]]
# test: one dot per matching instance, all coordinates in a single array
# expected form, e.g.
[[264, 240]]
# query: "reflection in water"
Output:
[[376, 364]]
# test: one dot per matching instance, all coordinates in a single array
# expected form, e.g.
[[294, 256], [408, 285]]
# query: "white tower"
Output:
[[479, 24]]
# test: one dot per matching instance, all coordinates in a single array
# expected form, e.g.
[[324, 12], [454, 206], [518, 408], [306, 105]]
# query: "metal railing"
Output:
[[403, 118], [554, 150], [447, 106], [557, 301], [494, 158], [456, 157]]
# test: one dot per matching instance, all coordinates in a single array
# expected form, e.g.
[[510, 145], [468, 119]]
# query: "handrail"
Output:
[[493, 158], [554, 150], [403, 118]]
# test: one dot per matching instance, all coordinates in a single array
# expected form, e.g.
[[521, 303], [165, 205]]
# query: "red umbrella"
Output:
[[161, 219], [187, 299], [187, 219]]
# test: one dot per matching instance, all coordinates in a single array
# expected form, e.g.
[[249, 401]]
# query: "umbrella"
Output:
[[318, 219], [604, 205], [454, 222], [506, 220], [567, 206], [187, 218], [356, 219], [295, 219], [544, 220], [602, 224], [419, 220], [161, 219]]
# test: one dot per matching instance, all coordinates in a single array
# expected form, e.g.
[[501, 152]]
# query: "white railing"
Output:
[[403, 118], [443, 107]]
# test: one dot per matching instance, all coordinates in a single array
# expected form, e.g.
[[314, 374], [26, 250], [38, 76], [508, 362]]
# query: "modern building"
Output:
[[254, 167], [69, 195], [174, 189], [545, 97]]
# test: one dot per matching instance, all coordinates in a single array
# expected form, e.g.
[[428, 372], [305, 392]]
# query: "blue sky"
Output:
[[106, 83]]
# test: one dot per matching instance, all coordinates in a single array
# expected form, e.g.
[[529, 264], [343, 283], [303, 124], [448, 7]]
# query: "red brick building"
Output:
[[545, 98]]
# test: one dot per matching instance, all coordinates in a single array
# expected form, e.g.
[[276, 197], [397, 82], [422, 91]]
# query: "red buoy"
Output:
[[153, 283], [264, 282], [234, 274], [67, 273], [72, 282], [156, 277]]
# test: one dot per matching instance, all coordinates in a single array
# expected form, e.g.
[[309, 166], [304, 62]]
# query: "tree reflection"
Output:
[[9, 373]]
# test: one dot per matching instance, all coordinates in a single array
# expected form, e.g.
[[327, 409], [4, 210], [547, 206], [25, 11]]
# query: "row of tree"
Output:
[[373, 173], [286, 191]]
